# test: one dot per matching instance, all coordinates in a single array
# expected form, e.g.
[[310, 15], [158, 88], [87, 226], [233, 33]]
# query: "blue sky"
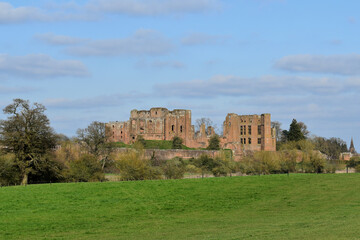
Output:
[[99, 59]]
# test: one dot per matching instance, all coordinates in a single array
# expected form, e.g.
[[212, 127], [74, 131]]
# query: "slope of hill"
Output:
[[299, 206]]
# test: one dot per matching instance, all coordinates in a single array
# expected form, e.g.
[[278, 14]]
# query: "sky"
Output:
[[97, 60]]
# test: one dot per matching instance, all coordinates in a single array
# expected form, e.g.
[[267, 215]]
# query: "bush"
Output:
[[313, 162], [85, 169], [140, 140], [204, 162], [177, 143], [9, 172], [47, 170], [174, 169], [214, 143], [223, 164], [133, 166]]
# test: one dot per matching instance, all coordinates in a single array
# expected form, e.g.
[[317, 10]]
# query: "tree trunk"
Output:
[[25, 179], [103, 164]]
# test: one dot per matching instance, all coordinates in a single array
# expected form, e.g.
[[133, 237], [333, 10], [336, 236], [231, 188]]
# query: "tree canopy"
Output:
[[27, 134]]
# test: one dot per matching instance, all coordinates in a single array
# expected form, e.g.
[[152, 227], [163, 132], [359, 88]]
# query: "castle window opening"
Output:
[[172, 127], [244, 130], [181, 129], [113, 126], [244, 140], [259, 129], [259, 140], [121, 132], [241, 130], [249, 129], [249, 140]]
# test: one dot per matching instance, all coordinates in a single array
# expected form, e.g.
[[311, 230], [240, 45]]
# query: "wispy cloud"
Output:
[[237, 86], [95, 101], [160, 64], [152, 7], [40, 66], [142, 42], [10, 90], [202, 38], [11, 14], [53, 39], [332, 64]]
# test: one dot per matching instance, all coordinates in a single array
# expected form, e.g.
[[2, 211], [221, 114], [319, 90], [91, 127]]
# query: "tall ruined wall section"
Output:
[[248, 133], [155, 124]]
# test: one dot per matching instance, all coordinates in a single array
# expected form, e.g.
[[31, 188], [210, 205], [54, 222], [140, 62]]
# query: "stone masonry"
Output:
[[241, 133]]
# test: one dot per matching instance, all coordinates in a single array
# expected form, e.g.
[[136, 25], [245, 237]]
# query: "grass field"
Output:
[[299, 206]]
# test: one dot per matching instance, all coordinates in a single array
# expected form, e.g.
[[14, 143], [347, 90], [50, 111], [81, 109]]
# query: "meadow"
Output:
[[295, 206]]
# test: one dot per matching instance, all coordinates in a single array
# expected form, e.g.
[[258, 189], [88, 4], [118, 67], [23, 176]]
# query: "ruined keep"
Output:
[[241, 133]]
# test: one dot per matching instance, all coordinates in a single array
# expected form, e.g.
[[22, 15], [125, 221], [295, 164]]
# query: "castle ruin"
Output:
[[241, 133]]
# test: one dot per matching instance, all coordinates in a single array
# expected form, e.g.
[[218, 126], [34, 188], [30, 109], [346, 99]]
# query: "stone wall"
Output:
[[166, 154]]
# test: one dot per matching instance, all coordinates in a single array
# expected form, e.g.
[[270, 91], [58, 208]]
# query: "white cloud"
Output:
[[54, 39], [152, 7], [10, 90], [238, 86], [160, 64], [102, 101], [142, 42], [40, 66], [333, 64], [10, 14], [202, 38]]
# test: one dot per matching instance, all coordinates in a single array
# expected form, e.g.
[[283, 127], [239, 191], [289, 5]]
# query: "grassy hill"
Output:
[[299, 206]]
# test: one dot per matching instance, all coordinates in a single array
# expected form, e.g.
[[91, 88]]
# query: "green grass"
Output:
[[299, 206]]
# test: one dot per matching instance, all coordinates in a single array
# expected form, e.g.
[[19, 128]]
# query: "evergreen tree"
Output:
[[177, 143], [295, 133], [214, 143]]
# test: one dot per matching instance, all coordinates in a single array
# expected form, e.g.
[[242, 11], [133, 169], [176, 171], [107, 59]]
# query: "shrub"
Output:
[[9, 172], [313, 162], [141, 141], [223, 164], [174, 169], [214, 143], [133, 166], [47, 170], [85, 169], [177, 143], [204, 162]]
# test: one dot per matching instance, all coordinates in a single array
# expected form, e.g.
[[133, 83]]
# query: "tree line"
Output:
[[31, 152]]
